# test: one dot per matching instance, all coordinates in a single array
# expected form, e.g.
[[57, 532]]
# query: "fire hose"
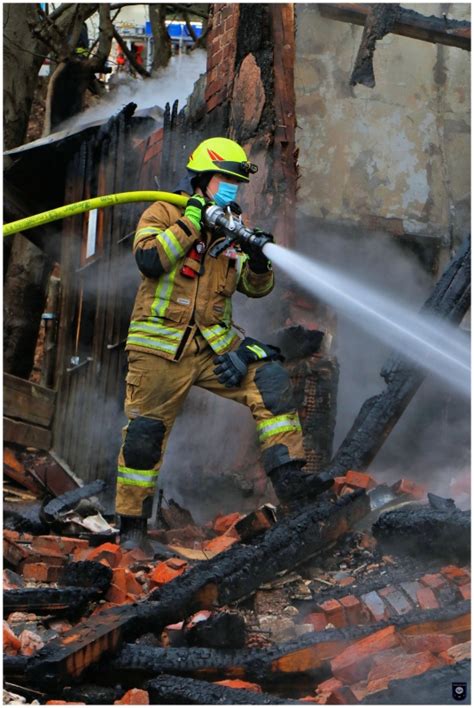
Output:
[[215, 218]]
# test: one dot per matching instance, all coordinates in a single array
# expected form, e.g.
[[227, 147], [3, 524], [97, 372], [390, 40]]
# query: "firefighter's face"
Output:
[[213, 186]]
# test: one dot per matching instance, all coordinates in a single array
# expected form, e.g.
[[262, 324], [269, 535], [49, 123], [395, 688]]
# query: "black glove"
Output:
[[232, 367], [258, 261]]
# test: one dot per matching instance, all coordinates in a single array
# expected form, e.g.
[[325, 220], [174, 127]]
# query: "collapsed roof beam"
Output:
[[438, 30]]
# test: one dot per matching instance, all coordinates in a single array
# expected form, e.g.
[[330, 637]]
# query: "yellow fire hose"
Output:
[[96, 203]]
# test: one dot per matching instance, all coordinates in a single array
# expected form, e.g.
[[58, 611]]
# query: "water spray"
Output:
[[415, 335]]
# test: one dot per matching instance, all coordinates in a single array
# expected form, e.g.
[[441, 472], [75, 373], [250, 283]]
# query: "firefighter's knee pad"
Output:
[[274, 384], [143, 443]]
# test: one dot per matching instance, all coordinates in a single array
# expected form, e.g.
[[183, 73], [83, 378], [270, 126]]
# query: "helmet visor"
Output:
[[239, 169]]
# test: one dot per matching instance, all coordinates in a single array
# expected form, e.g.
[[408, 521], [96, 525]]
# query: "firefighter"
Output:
[[181, 334]]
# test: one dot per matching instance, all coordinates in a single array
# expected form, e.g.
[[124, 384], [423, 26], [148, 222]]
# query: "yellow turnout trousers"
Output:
[[155, 392]]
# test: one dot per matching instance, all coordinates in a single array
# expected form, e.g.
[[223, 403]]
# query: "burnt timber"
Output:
[[232, 575], [185, 691], [296, 657], [454, 33]]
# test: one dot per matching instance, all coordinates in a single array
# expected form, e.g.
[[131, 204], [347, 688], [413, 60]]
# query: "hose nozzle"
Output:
[[233, 229]]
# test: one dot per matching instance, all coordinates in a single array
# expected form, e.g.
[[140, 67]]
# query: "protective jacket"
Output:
[[170, 308]]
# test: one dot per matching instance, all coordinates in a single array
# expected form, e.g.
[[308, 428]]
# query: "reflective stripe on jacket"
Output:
[[170, 307]]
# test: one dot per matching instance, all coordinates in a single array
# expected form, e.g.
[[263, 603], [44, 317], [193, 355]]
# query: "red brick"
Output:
[[222, 523], [435, 581], [318, 620], [132, 585], [110, 552], [435, 643], [11, 580], [375, 605], [134, 697], [176, 563], [457, 575], [136, 555], [339, 483], [405, 486], [396, 600], [361, 480], [116, 594], [354, 662], [411, 588], [58, 544], [354, 610], [13, 552], [11, 535], [344, 582], [427, 599], [197, 617], [334, 612], [238, 683], [456, 653], [342, 696], [163, 573], [219, 544], [11, 643], [41, 572], [30, 643], [402, 667], [329, 685], [465, 591]]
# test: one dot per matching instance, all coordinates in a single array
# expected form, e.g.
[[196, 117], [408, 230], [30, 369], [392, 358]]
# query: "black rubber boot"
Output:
[[290, 482], [133, 534]]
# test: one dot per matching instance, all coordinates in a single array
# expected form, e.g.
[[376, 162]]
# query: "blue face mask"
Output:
[[226, 194]]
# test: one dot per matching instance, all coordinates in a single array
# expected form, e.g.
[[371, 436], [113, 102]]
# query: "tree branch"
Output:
[[139, 69], [189, 9]]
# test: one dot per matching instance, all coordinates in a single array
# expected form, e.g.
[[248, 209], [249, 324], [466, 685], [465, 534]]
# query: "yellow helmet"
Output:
[[221, 155]]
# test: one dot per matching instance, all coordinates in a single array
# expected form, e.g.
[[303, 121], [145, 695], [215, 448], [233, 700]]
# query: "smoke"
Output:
[[175, 82], [431, 442]]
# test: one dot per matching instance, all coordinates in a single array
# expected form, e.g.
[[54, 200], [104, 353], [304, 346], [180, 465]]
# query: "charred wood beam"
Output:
[[437, 30], [450, 300], [14, 666], [48, 601], [83, 582], [68, 501], [420, 530], [381, 20], [233, 574], [309, 653], [185, 691]]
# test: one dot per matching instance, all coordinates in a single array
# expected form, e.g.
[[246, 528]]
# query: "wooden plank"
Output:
[[28, 401], [454, 33], [15, 431]]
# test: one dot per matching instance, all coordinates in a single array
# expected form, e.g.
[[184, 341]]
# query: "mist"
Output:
[[174, 82], [431, 442]]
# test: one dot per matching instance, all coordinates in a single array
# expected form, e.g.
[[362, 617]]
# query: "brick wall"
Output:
[[221, 52]]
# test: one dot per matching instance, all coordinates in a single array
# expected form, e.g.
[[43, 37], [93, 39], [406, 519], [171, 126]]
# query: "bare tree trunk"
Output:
[[162, 42], [23, 302], [22, 60]]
